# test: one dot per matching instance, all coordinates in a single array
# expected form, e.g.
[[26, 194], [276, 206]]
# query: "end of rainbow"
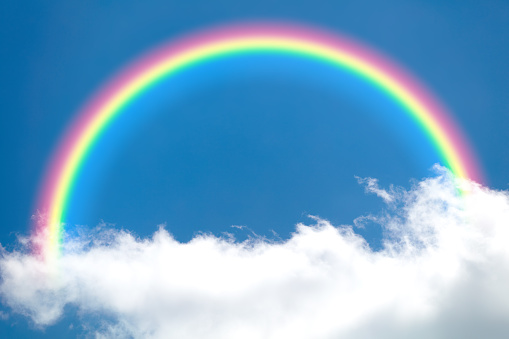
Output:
[[298, 40]]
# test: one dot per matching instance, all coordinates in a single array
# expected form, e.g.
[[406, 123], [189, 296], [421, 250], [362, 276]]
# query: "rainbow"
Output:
[[296, 40]]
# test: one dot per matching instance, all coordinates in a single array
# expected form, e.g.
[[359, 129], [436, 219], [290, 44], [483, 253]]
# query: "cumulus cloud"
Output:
[[443, 272]]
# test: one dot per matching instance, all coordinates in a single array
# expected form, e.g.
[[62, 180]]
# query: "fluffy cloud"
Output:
[[443, 272]]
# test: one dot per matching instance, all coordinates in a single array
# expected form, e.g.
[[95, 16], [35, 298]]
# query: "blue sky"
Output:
[[260, 142]]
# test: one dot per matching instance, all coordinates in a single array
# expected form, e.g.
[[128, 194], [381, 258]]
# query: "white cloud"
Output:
[[443, 273], [372, 186]]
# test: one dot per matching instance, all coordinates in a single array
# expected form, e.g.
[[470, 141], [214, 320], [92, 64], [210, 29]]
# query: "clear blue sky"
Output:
[[262, 141]]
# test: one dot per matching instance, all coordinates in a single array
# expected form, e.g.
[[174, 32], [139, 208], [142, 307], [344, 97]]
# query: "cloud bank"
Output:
[[443, 272]]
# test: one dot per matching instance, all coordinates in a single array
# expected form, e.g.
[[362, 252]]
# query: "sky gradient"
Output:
[[260, 142]]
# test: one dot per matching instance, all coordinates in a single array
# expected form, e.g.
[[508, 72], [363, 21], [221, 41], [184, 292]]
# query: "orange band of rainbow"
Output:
[[337, 51]]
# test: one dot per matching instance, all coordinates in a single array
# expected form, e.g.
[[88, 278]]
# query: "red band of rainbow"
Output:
[[335, 50]]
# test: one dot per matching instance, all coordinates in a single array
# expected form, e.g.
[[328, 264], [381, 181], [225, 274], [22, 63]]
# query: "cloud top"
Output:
[[443, 272]]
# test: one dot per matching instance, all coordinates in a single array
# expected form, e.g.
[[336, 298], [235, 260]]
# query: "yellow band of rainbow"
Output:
[[300, 41]]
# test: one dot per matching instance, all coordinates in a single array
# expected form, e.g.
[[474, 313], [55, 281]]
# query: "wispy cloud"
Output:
[[371, 186], [443, 272]]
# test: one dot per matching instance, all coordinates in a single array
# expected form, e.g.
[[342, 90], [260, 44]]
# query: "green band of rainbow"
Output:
[[280, 39]]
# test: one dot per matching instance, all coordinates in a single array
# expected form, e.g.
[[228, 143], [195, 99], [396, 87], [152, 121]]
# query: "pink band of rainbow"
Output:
[[335, 50]]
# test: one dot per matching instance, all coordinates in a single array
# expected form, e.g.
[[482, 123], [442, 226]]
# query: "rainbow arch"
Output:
[[297, 40]]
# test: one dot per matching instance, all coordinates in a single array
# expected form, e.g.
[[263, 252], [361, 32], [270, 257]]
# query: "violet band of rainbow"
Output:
[[297, 40]]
